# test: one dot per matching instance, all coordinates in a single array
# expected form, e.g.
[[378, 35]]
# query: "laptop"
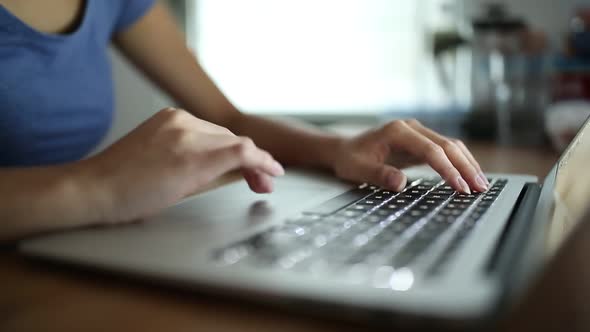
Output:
[[427, 254]]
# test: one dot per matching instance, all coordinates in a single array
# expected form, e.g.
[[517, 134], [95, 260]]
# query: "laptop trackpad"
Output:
[[236, 205]]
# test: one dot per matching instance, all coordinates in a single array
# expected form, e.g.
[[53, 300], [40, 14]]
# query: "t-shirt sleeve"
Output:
[[130, 11]]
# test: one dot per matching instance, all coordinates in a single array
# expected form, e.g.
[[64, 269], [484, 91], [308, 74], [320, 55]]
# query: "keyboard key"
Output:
[[373, 219], [442, 219], [391, 207], [446, 212], [350, 213], [443, 192], [360, 227], [485, 204], [400, 227], [362, 207], [386, 237], [406, 220], [435, 227], [384, 213], [416, 213], [427, 209]]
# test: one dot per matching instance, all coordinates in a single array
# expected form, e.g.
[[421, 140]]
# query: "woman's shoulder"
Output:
[[126, 12]]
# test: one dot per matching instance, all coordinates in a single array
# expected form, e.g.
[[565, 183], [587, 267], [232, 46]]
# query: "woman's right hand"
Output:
[[168, 157]]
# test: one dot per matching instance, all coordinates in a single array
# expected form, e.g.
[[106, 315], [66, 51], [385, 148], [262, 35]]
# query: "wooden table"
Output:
[[44, 297]]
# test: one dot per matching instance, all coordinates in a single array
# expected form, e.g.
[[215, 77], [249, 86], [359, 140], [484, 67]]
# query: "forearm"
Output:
[[174, 68], [38, 200]]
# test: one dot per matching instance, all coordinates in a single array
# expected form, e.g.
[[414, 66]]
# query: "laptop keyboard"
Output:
[[370, 228]]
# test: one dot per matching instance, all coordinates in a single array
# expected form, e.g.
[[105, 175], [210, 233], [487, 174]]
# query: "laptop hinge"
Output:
[[515, 234]]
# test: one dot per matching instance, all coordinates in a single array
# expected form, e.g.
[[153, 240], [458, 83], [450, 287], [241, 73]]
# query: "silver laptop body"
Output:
[[205, 243]]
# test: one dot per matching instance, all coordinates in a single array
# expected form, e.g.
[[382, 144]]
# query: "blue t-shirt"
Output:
[[56, 91]]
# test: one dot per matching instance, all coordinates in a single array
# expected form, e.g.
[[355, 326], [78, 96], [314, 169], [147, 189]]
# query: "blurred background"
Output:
[[513, 72]]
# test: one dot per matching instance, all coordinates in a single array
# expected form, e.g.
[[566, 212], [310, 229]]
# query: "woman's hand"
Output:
[[377, 156], [168, 157]]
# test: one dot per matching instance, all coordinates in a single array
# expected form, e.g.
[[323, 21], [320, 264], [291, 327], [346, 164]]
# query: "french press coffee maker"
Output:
[[507, 82]]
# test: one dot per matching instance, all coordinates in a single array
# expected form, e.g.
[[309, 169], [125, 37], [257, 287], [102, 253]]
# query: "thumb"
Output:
[[380, 174]]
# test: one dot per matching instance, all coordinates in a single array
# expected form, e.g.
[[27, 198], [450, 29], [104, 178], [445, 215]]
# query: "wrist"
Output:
[[96, 197], [330, 148]]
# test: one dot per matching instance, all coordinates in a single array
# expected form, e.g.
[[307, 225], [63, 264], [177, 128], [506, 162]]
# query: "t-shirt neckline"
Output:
[[16, 22]]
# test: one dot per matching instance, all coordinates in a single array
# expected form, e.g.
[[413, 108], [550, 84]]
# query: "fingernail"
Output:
[[485, 178], [481, 183], [463, 185], [279, 168]]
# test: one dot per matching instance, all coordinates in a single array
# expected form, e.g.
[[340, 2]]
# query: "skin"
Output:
[[177, 152]]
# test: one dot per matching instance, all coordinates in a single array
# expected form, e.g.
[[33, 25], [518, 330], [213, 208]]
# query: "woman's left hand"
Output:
[[378, 155]]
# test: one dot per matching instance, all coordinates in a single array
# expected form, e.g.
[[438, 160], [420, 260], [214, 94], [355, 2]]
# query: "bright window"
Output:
[[312, 56]]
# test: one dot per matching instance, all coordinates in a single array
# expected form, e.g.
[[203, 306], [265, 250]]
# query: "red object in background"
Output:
[[570, 85]]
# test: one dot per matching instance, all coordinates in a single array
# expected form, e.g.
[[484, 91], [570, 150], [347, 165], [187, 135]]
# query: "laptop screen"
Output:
[[572, 188]]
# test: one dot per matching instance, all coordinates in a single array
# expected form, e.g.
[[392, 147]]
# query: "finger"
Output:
[[252, 157], [403, 137], [467, 154], [472, 160], [258, 182], [440, 139], [243, 154], [383, 175], [455, 154], [431, 133]]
